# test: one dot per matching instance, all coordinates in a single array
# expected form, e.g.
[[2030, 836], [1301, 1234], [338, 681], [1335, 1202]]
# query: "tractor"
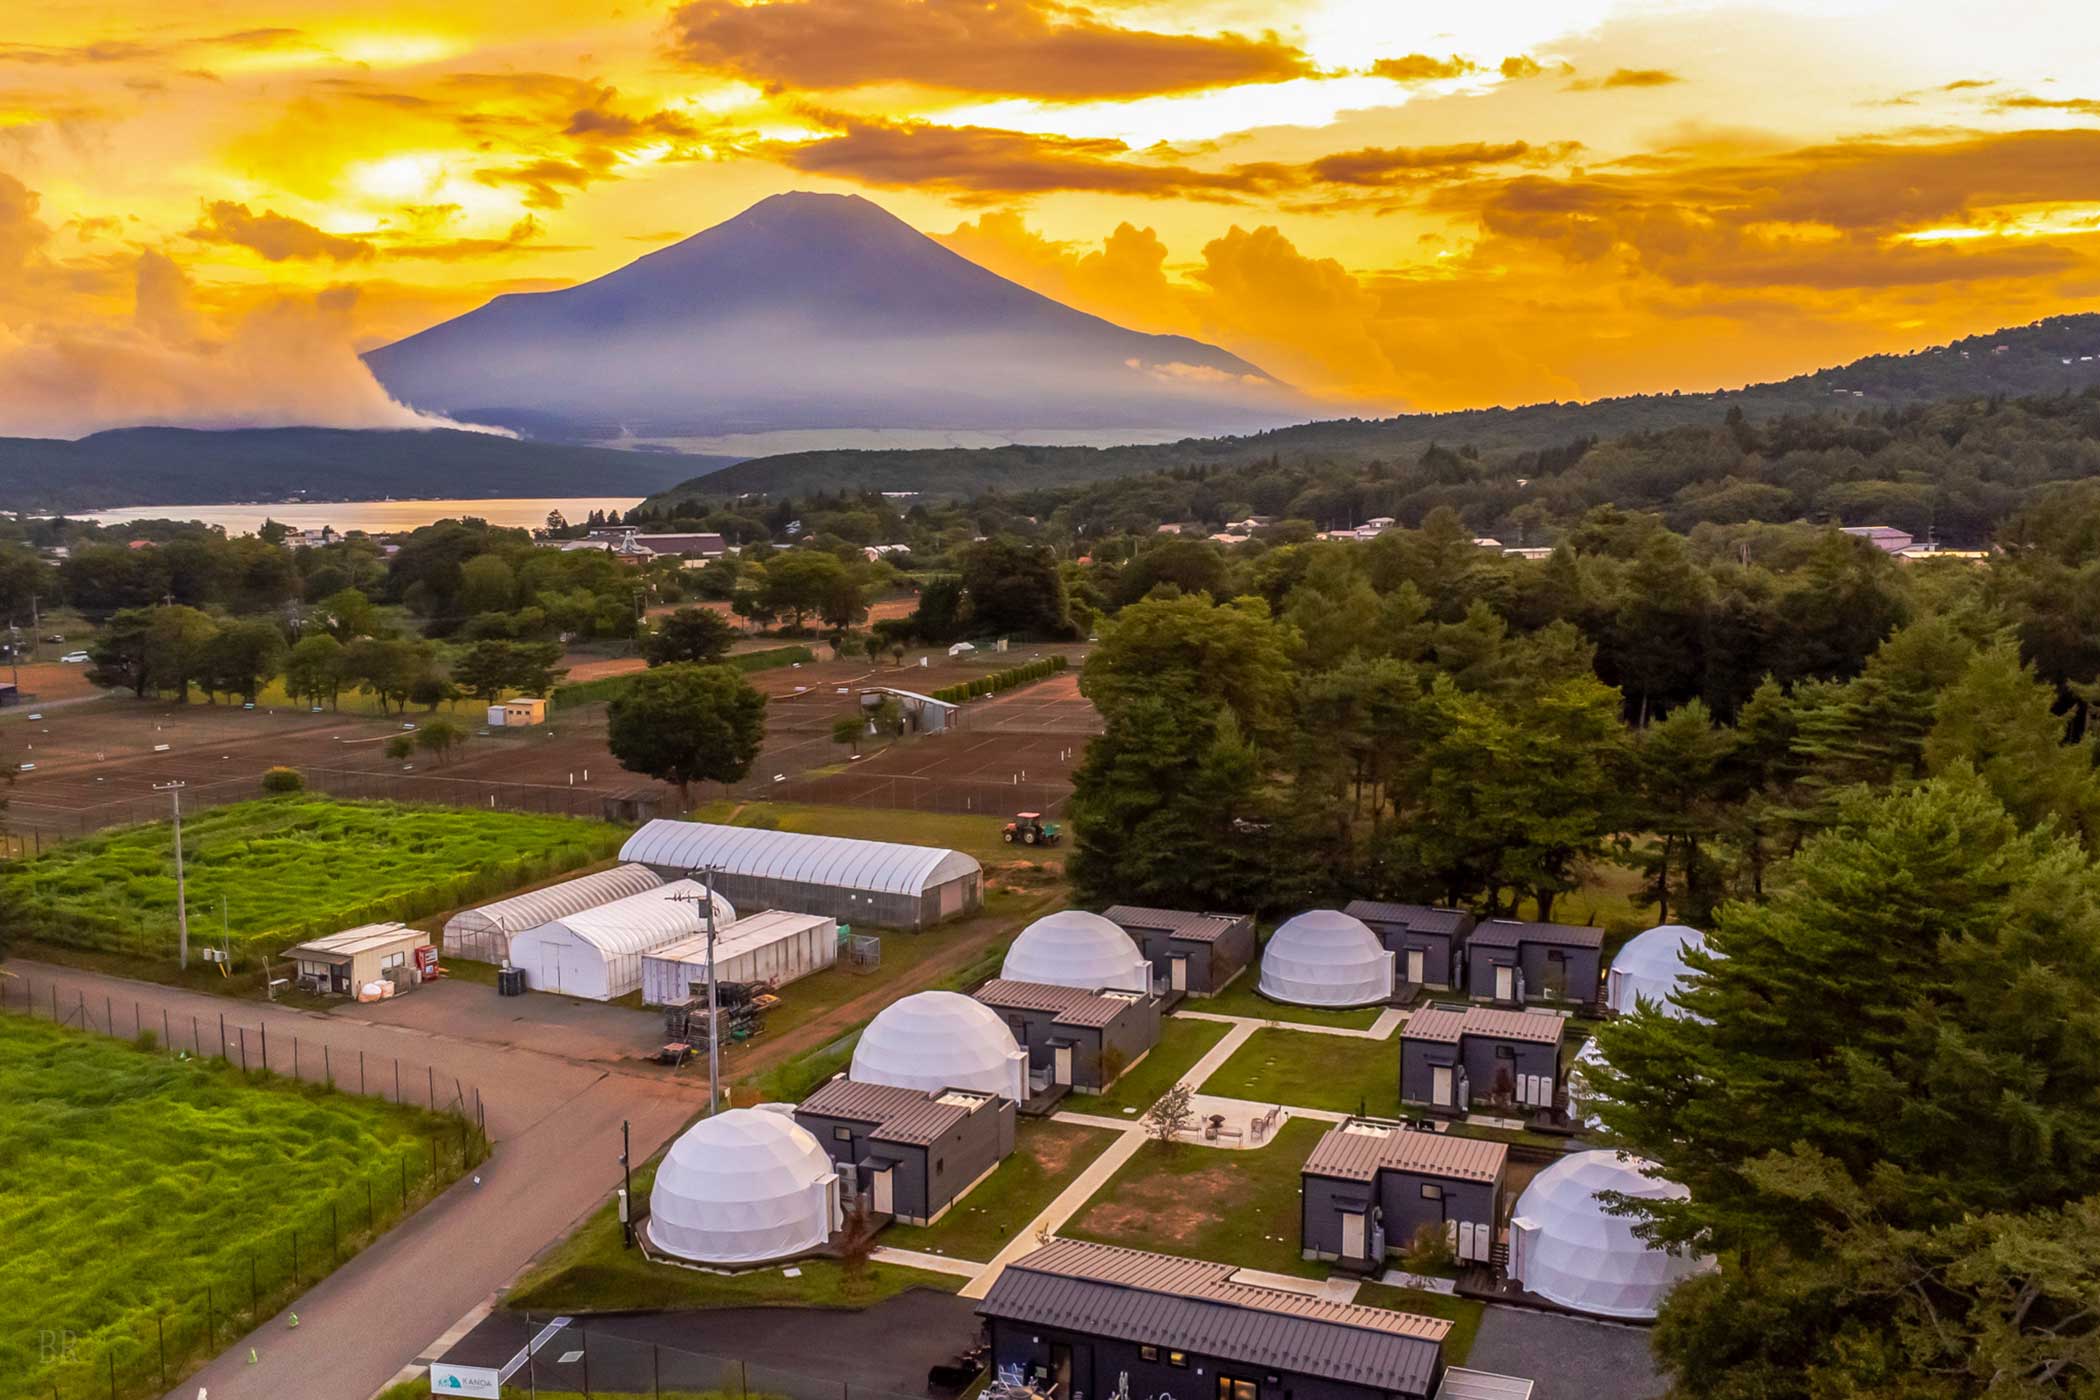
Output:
[[1030, 829]]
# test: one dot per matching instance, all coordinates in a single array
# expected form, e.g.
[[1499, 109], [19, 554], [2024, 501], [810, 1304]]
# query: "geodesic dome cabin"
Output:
[[1325, 958], [941, 1040], [1076, 949], [882, 883], [1651, 968], [743, 1187], [1566, 1248], [485, 932], [1583, 1097], [597, 953]]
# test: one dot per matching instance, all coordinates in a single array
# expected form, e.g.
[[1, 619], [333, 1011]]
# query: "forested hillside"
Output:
[[2050, 357]]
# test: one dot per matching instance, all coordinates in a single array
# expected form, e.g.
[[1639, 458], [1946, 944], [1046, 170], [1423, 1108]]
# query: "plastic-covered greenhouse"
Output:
[[597, 953], [880, 883], [485, 933]]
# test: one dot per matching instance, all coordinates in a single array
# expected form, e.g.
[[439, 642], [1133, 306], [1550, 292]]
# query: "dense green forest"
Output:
[[2055, 356], [178, 466]]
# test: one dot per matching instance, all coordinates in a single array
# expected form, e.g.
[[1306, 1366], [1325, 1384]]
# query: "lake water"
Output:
[[374, 517]]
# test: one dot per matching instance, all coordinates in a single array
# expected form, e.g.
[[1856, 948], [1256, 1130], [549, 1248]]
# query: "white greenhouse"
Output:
[[1651, 968], [1568, 1249], [744, 1187], [485, 933], [1326, 958], [775, 947], [1077, 949], [941, 1040], [597, 953], [882, 883]]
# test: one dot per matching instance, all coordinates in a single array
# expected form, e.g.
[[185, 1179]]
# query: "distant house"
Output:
[[1195, 953], [1886, 538], [1427, 942], [633, 545], [1453, 1059], [1370, 1187], [1518, 962]]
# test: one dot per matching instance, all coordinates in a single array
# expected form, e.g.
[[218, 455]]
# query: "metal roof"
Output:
[[881, 867], [1508, 933], [1463, 1384], [1420, 918], [640, 923], [542, 906], [362, 939], [1358, 1151], [1194, 1305], [1177, 923], [1447, 1024], [909, 1116], [1071, 1005], [741, 936]]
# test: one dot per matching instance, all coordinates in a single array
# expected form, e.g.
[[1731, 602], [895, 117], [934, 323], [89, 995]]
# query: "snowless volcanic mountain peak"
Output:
[[815, 311]]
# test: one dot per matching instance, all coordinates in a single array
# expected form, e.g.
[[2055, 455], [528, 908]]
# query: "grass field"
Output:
[[591, 1271], [1240, 999], [130, 1182], [1182, 1042], [1463, 1314], [1234, 1206], [289, 868], [1313, 1071], [1047, 1155]]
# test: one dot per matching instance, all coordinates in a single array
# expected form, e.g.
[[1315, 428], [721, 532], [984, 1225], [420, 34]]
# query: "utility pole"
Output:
[[706, 898], [182, 905]]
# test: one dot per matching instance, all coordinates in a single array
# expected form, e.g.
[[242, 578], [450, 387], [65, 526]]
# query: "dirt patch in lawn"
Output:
[[1164, 1206]]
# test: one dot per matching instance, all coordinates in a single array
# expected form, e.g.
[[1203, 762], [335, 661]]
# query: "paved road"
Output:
[[556, 1124]]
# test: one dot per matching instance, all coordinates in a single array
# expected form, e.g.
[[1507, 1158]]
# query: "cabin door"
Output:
[[1062, 1062], [1178, 974], [1417, 967], [1353, 1245], [1505, 982], [879, 1185], [1440, 1086]]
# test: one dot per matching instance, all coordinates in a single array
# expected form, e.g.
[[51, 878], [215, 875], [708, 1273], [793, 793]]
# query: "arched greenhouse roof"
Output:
[[879, 867]]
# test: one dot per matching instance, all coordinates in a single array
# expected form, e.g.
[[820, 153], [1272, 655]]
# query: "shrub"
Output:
[[283, 779], [1429, 1252]]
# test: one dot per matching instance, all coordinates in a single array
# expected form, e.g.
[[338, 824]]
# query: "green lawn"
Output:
[[1313, 1071], [1240, 999], [131, 1181], [1047, 1156], [1463, 1314], [1182, 1042], [591, 1271], [289, 868], [1234, 1206]]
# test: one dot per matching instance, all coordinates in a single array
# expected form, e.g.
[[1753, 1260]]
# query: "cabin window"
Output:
[[1432, 1192], [1233, 1388], [1148, 1353], [1506, 1052], [1177, 1358], [842, 1133]]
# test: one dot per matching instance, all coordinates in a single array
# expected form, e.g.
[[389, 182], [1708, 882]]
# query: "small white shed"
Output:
[[597, 953], [774, 946]]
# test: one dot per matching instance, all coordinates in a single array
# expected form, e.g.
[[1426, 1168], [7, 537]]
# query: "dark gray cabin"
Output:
[[1074, 1318], [1370, 1186], [1453, 1059], [1066, 1031], [1516, 963], [908, 1153], [1426, 942], [1193, 953]]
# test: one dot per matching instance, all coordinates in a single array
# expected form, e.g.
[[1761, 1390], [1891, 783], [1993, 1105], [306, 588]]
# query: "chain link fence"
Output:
[[568, 1357]]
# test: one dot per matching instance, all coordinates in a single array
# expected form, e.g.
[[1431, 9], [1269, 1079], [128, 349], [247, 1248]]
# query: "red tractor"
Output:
[[1030, 829]]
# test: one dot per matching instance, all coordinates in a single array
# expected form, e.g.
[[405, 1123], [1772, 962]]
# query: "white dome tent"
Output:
[[1326, 958], [941, 1040], [1583, 1097], [1568, 1249], [1077, 949], [743, 1187], [1651, 968], [597, 953]]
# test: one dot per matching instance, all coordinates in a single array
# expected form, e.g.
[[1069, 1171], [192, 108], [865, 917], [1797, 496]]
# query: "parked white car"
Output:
[[75, 658]]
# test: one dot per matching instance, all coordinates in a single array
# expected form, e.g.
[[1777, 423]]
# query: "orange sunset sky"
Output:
[[206, 209]]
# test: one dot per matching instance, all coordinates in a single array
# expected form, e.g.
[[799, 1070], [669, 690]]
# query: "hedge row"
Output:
[[605, 688], [1001, 680]]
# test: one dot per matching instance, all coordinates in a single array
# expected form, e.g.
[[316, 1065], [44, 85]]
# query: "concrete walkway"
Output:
[[1389, 1020], [918, 1259]]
